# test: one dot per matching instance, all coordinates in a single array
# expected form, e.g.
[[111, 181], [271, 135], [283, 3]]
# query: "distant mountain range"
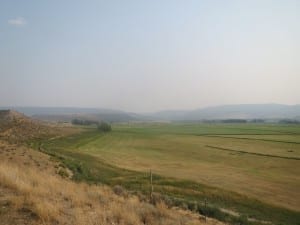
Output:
[[243, 111]]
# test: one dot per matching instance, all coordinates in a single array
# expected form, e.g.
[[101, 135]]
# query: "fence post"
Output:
[[205, 209], [151, 186]]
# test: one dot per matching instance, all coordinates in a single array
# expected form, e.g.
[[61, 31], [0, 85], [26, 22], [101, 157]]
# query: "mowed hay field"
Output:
[[259, 161]]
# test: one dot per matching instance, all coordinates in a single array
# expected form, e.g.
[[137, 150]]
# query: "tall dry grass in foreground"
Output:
[[53, 200]]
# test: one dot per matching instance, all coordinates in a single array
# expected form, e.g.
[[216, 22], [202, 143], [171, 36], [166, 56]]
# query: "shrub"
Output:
[[63, 172], [210, 211], [119, 190]]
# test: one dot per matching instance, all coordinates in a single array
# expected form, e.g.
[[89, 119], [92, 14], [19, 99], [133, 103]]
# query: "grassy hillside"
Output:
[[35, 188], [247, 170]]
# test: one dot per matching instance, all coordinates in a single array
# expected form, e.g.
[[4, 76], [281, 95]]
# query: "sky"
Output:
[[145, 56]]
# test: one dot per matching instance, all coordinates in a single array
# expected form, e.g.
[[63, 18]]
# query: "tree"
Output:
[[104, 127]]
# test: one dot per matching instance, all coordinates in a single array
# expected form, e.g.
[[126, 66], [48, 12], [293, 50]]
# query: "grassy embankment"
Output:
[[29, 195]]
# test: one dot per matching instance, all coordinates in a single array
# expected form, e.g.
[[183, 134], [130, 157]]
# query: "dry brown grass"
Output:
[[53, 200]]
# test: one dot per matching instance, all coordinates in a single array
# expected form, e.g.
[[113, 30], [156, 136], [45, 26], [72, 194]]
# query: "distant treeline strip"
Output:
[[275, 132], [254, 139], [252, 153], [84, 122]]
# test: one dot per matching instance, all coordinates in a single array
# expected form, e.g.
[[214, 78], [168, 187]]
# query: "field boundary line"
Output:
[[252, 153], [253, 139]]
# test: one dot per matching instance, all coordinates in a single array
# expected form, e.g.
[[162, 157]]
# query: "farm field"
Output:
[[240, 162]]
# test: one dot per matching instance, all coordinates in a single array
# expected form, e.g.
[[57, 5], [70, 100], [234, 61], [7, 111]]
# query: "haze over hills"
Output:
[[242, 111]]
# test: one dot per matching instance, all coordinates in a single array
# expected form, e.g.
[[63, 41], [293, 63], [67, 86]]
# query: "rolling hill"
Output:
[[67, 114], [244, 111]]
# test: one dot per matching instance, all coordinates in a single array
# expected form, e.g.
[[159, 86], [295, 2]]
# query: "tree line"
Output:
[[101, 126]]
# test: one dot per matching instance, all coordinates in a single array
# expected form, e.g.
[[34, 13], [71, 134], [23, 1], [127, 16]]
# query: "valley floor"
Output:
[[248, 173], [237, 173]]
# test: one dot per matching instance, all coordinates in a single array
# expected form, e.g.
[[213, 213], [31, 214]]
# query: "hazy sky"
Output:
[[149, 55]]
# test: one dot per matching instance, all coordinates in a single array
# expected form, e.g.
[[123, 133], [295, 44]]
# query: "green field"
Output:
[[249, 169]]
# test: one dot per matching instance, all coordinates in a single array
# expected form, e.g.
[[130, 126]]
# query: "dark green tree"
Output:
[[104, 127]]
